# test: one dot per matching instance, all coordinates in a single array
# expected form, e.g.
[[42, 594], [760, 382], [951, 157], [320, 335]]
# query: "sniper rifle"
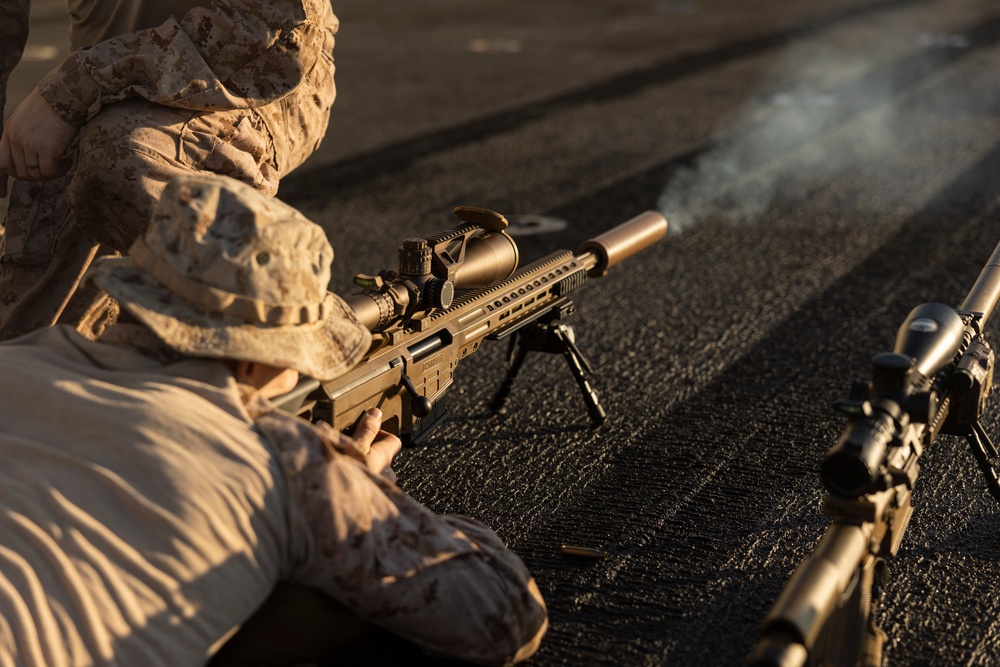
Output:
[[936, 380], [452, 291]]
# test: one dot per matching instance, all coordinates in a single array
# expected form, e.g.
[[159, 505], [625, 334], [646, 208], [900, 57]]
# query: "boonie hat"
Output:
[[226, 272]]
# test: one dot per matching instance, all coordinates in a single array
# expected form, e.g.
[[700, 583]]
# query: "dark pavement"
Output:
[[827, 166]]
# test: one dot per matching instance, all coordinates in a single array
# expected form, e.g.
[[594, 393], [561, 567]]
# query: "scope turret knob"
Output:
[[414, 257], [890, 371], [439, 293]]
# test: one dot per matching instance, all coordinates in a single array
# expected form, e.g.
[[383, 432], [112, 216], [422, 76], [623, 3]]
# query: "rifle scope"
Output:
[[467, 257], [926, 343]]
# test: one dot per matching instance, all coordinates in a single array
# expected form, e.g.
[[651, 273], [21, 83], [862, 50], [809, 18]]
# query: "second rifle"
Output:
[[936, 380]]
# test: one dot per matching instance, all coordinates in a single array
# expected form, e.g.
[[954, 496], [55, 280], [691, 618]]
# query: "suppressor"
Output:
[[624, 241]]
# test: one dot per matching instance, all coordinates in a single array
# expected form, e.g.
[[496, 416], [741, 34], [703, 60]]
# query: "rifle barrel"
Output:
[[985, 292]]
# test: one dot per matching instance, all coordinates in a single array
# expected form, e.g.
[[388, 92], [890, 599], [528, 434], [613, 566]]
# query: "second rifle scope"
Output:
[[926, 343]]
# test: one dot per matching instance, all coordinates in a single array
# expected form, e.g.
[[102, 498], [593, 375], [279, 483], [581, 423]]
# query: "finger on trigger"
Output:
[[368, 427]]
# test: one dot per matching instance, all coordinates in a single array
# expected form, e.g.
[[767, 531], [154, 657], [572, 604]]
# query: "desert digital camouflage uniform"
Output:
[[146, 539], [149, 503], [240, 88]]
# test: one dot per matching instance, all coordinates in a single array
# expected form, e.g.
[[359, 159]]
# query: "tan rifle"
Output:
[[451, 292], [936, 380]]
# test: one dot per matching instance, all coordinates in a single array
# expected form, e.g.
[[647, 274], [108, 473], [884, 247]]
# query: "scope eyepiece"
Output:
[[852, 466]]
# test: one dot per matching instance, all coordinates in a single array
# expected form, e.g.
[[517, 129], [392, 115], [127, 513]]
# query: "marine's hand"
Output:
[[34, 142], [379, 447]]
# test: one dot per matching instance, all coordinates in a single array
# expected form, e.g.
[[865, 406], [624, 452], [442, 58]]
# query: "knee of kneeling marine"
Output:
[[113, 193]]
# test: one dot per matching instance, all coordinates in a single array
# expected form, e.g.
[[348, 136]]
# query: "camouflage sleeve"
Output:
[[13, 35], [233, 54], [446, 583]]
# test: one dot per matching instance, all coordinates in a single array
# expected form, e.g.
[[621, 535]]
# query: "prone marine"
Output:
[[152, 498]]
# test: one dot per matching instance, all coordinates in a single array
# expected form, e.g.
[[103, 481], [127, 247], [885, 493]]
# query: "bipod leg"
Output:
[[986, 456], [579, 367], [499, 401]]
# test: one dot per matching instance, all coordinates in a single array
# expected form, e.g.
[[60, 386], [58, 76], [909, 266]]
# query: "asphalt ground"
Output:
[[825, 167]]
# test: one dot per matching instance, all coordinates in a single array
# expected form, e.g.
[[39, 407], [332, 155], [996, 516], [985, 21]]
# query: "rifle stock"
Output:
[[936, 380], [417, 344]]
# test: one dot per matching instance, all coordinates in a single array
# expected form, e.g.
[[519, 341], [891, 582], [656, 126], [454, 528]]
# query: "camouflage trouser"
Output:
[[125, 156]]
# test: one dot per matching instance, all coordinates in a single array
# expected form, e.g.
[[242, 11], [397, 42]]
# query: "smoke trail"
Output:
[[788, 137]]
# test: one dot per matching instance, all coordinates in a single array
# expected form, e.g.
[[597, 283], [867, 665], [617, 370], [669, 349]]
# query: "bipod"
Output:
[[986, 456], [548, 334]]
